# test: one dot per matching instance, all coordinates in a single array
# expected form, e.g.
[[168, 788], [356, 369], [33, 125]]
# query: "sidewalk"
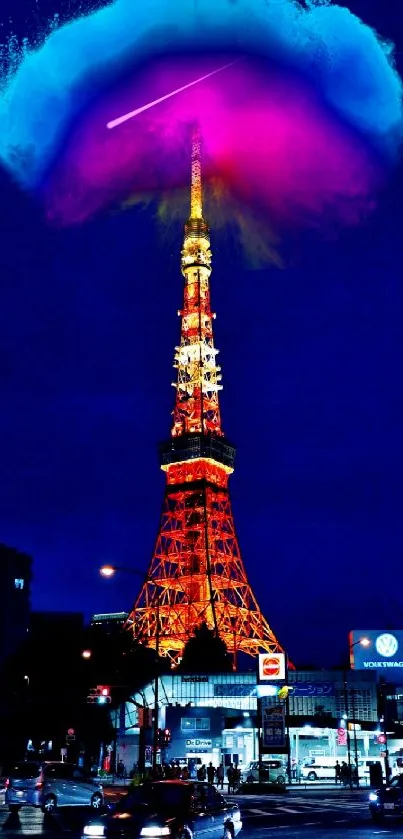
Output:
[[328, 786]]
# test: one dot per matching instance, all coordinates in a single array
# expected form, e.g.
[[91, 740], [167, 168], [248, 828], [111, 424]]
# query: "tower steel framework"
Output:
[[196, 574]]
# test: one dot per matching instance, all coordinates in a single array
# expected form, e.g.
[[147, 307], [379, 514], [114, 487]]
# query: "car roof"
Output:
[[175, 782]]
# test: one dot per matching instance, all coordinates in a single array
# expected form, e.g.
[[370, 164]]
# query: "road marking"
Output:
[[310, 824], [288, 810]]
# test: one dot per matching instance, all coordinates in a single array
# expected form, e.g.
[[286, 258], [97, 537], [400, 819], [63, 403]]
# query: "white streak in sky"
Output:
[[138, 111]]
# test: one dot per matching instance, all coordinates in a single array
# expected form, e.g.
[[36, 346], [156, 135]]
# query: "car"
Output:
[[387, 800], [272, 771], [178, 809], [50, 785]]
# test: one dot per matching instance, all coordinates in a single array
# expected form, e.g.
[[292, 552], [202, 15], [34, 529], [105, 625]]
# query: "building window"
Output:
[[195, 724], [19, 583]]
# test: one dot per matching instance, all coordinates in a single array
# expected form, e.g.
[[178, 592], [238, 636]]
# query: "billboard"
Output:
[[271, 667], [377, 649], [273, 727]]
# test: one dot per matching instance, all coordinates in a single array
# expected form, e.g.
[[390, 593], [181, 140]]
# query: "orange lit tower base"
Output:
[[196, 574]]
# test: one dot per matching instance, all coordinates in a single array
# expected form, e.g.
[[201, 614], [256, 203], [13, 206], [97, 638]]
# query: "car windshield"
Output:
[[25, 770], [162, 798]]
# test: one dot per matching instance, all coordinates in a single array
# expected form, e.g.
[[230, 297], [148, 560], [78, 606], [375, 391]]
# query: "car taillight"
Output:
[[39, 785]]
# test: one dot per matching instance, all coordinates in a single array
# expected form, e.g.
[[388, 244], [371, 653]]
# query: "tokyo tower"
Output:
[[196, 574]]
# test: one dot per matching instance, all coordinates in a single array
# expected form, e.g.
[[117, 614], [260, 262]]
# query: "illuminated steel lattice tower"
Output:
[[196, 574]]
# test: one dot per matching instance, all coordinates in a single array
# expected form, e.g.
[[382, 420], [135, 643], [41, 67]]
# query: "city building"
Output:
[[217, 717], [107, 624], [196, 575], [15, 600]]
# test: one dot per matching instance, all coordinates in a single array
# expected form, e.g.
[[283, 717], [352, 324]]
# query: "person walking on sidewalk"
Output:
[[220, 776]]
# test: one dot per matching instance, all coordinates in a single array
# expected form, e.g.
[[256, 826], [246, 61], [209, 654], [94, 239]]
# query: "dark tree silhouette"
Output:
[[205, 652]]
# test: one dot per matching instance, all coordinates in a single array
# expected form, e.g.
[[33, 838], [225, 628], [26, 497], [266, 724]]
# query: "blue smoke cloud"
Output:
[[346, 61]]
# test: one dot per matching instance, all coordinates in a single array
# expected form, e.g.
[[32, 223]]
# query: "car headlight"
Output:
[[155, 831], [94, 830], [373, 796]]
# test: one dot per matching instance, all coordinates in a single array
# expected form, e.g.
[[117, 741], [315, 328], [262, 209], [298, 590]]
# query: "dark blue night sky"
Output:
[[312, 358]]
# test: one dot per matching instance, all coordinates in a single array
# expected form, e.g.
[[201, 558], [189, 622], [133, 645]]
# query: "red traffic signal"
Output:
[[101, 695], [164, 737]]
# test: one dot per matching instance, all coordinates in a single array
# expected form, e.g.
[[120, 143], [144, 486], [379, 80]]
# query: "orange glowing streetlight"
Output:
[[107, 570]]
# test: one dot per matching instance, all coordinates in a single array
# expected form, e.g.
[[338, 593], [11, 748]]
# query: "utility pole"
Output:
[[346, 714], [156, 688]]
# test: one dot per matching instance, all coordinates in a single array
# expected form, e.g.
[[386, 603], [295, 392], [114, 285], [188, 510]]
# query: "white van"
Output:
[[319, 768], [324, 768]]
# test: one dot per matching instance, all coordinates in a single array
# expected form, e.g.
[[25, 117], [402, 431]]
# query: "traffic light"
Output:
[[101, 695], [164, 737]]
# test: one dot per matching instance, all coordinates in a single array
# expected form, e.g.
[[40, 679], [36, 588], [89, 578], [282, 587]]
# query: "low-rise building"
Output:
[[217, 717]]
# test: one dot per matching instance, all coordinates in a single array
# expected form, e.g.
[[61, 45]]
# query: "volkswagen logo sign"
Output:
[[386, 645]]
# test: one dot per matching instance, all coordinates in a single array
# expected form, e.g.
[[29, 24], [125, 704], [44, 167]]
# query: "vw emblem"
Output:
[[386, 645]]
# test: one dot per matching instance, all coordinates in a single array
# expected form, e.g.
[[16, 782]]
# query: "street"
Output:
[[315, 813]]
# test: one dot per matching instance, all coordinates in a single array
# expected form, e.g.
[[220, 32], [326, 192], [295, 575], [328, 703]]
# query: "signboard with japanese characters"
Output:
[[342, 737], [312, 689], [273, 727]]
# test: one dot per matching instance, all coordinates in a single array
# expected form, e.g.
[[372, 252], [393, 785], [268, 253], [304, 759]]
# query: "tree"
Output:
[[205, 652]]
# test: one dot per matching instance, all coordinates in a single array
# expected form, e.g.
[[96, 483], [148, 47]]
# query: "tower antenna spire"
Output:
[[196, 191], [196, 575]]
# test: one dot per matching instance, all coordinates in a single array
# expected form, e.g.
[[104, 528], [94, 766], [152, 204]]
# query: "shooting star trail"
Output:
[[113, 123]]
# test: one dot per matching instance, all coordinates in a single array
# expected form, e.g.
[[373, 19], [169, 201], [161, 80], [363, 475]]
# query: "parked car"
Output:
[[51, 785], [178, 809], [273, 771], [319, 768], [387, 800]]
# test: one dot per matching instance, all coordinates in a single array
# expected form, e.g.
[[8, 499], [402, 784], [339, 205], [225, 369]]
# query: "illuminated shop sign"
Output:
[[271, 667], [376, 649], [195, 679], [199, 744], [312, 689]]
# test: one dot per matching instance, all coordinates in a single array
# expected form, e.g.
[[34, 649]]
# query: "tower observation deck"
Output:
[[196, 574]]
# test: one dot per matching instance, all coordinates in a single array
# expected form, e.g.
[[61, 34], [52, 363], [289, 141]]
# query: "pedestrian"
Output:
[[220, 776], [236, 778], [121, 771], [344, 774], [210, 773], [337, 772], [230, 778], [201, 773]]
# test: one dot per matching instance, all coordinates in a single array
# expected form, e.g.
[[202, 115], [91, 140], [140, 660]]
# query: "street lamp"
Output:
[[363, 642], [109, 571], [86, 654]]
